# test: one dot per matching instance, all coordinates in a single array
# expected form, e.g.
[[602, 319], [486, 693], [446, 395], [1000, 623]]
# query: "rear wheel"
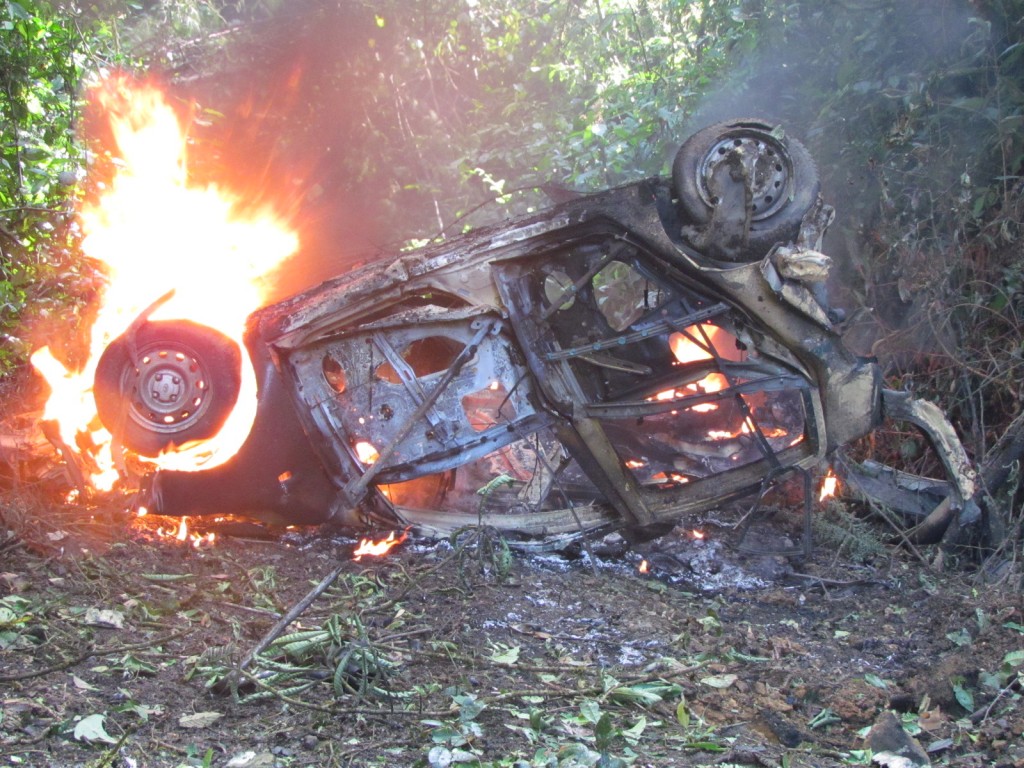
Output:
[[175, 383], [783, 179]]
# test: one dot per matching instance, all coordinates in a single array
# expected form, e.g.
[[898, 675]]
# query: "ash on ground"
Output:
[[704, 560]]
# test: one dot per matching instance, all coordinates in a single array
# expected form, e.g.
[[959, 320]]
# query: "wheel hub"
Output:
[[768, 166], [165, 389], [170, 389]]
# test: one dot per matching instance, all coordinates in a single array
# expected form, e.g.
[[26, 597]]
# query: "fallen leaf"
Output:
[[719, 681], [931, 719], [876, 681], [90, 728], [15, 581], [940, 745], [890, 760], [199, 719], [251, 759], [505, 655], [439, 757], [103, 617], [81, 685]]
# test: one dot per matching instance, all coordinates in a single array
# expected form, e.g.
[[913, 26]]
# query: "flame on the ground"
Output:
[[154, 231], [151, 528], [643, 567], [829, 486], [369, 547]]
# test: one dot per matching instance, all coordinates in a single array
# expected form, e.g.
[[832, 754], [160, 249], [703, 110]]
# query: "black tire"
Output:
[[179, 385], [786, 181]]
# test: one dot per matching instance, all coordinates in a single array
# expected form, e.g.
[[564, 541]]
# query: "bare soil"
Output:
[[463, 653]]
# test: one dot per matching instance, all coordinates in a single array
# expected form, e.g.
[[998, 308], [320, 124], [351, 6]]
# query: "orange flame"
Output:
[[154, 231], [180, 532], [378, 548], [829, 486], [644, 567], [686, 350]]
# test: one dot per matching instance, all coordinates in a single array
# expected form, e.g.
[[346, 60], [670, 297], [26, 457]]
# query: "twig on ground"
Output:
[[94, 652], [293, 613], [823, 582]]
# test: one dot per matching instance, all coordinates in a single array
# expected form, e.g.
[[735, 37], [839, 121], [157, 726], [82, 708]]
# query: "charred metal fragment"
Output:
[[934, 506]]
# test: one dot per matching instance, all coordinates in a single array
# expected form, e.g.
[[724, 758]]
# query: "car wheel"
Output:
[[175, 384], [785, 180]]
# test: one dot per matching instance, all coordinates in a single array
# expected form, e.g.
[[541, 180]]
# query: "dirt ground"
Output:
[[122, 646]]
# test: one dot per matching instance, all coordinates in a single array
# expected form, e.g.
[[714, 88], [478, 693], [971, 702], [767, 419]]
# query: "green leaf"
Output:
[[17, 12], [645, 693], [960, 639], [633, 733], [963, 697], [505, 655], [604, 731], [1014, 658], [590, 710], [447, 734], [988, 680], [982, 619], [876, 681], [683, 714], [469, 707], [705, 746]]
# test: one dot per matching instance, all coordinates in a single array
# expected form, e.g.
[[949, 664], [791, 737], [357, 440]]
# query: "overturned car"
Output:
[[617, 361]]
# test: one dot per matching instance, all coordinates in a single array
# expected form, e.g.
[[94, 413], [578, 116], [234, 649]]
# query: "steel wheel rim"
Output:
[[767, 162]]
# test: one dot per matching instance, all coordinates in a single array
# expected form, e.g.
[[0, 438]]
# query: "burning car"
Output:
[[616, 361]]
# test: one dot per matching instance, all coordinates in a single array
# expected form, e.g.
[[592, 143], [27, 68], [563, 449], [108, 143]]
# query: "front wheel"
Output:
[[173, 383]]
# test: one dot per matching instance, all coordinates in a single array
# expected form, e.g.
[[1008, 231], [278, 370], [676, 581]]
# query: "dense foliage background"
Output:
[[380, 124]]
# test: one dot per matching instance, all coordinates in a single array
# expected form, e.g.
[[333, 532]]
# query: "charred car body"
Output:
[[619, 360]]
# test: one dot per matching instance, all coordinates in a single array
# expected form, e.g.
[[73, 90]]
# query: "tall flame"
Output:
[[829, 486], [154, 231]]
